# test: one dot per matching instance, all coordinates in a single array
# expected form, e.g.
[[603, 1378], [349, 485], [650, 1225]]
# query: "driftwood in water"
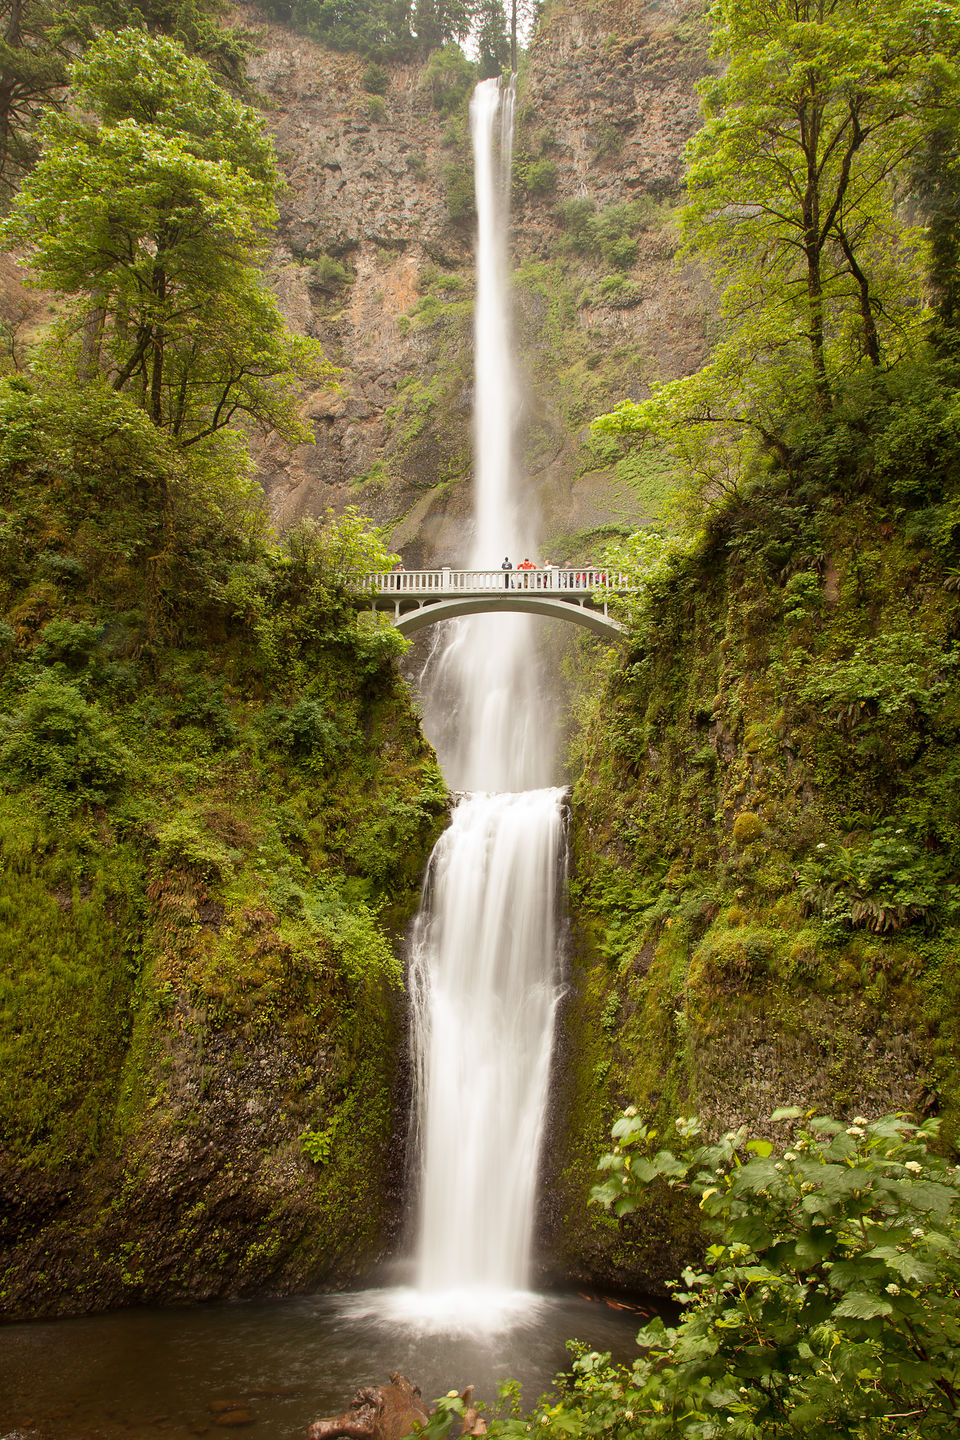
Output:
[[377, 1412], [389, 1412]]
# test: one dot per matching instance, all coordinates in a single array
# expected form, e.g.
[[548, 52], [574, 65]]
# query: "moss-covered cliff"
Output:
[[766, 834], [216, 805]]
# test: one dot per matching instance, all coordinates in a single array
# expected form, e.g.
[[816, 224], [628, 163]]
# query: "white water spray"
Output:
[[483, 976]]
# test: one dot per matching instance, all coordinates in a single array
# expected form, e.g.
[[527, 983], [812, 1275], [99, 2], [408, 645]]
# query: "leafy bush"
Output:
[[879, 882], [375, 79], [621, 252], [449, 77], [317, 1145], [202, 703], [829, 1303], [619, 292], [68, 642], [538, 177], [308, 734], [376, 109], [458, 183], [57, 737], [327, 272]]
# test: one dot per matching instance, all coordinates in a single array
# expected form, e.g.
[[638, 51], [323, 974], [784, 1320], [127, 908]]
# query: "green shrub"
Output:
[[72, 643], [576, 217], [326, 273], [829, 1303], [621, 252], [375, 79], [449, 77], [538, 177], [620, 292], [203, 704], [376, 109], [57, 737], [308, 734], [458, 183]]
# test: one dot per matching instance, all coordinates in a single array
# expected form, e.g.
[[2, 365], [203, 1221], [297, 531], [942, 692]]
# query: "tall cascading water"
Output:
[[483, 691], [484, 968]]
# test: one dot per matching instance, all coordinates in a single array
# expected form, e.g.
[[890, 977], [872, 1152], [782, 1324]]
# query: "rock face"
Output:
[[374, 258]]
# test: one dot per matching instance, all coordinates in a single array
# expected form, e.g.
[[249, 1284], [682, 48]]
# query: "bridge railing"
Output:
[[558, 580]]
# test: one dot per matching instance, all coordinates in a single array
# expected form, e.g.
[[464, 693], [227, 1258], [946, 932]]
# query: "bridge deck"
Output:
[[573, 584]]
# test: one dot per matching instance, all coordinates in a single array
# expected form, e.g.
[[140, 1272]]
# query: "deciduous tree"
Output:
[[148, 211], [796, 200]]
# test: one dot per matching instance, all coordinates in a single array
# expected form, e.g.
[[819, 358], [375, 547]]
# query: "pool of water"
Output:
[[268, 1368]]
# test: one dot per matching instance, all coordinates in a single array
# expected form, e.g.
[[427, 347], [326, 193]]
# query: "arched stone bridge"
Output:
[[422, 597]]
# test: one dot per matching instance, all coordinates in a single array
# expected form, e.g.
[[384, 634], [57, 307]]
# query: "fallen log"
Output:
[[377, 1412]]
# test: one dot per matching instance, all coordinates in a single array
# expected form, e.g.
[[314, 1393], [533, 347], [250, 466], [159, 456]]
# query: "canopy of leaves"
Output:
[[796, 183], [39, 37], [150, 217]]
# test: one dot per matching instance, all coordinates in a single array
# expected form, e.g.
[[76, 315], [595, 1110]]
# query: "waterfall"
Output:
[[484, 963], [483, 996]]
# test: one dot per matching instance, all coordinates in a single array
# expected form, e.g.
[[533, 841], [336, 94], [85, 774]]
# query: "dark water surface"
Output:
[[267, 1368]]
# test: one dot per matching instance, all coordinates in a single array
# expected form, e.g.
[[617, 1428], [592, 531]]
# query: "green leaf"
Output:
[[859, 1305]]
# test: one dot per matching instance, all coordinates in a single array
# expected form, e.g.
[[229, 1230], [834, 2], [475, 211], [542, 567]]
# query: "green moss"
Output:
[[215, 805], [766, 864]]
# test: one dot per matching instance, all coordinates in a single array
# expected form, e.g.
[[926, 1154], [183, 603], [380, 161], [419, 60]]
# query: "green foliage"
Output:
[[308, 734], [58, 737], [375, 79], [608, 234], [458, 184], [326, 272], [880, 880], [620, 292], [41, 37], [449, 77], [538, 177], [829, 1299], [812, 126], [185, 843], [317, 1145], [150, 217]]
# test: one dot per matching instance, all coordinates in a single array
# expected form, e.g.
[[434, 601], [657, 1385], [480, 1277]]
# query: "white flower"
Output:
[[854, 1130], [789, 1155], [778, 1166], [860, 1120], [913, 1166], [893, 1289], [630, 1112], [917, 1233], [822, 845], [628, 1414]]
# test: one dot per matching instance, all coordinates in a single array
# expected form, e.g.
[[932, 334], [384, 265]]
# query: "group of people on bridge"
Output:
[[527, 576]]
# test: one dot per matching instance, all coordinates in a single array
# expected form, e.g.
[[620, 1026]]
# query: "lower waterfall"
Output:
[[484, 992]]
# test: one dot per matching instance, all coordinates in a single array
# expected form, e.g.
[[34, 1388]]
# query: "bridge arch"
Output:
[[432, 612]]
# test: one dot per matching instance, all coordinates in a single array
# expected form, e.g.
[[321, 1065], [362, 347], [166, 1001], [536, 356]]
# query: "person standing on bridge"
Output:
[[506, 567], [526, 566]]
